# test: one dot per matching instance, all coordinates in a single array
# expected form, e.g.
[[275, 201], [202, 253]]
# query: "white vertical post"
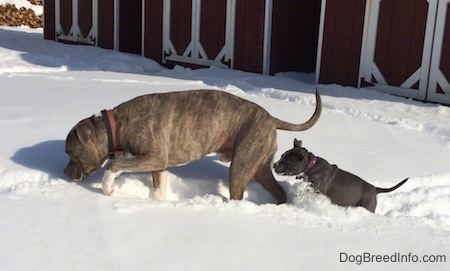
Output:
[[74, 27], [320, 39], [143, 28], [95, 21], [195, 24], [116, 24], [371, 39], [57, 18], [230, 31], [363, 60], [166, 29], [436, 77], [267, 36]]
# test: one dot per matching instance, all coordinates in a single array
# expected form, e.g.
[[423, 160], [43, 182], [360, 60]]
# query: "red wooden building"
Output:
[[252, 35], [398, 46]]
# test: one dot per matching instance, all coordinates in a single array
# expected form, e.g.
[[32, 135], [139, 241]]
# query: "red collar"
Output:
[[114, 147]]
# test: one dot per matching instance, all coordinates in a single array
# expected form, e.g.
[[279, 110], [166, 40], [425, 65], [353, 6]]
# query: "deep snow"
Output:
[[48, 223]]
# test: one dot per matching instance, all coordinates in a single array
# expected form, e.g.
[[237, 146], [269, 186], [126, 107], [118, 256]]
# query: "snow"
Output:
[[50, 223]]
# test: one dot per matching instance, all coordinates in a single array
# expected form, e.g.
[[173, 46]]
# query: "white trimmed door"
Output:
[[199, 32], [439, 83], [398, 46], [405, 43], [76, 21]]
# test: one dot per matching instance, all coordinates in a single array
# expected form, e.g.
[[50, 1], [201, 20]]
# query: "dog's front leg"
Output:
[[141, 163], [108, 181], [160, 184]]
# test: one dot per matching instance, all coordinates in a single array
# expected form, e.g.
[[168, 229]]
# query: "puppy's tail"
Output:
[[386, 190], [283, 125]]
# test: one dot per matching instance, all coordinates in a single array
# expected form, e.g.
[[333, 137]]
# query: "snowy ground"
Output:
[[48, 223]]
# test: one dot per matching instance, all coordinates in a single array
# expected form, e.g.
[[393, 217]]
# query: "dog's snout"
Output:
[[73, 172]]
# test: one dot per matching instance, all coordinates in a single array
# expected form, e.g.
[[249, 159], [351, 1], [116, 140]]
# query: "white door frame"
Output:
[[369, 68], [75, 32], [436, 76], [194, 52]]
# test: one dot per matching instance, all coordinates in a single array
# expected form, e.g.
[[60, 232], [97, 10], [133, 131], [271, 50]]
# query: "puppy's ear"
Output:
[[84, 132], [297, 143]]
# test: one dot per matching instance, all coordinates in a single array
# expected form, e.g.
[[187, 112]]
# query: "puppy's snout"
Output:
[[278, 167]]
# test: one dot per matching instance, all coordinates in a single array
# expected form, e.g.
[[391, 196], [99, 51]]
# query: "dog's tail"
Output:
[[386, 190], [283, 125]]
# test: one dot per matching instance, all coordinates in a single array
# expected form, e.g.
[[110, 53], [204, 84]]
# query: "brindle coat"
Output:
[[171, 129]]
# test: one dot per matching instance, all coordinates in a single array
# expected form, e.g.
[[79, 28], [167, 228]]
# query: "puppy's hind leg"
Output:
[[368, 201], [160, 184]]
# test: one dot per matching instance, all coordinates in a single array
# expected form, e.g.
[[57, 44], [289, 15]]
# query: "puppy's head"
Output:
[[293, 161], [85, 149]]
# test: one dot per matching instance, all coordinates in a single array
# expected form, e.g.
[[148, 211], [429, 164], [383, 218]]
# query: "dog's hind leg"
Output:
[[239, 178], [160, 184], [265, 177]]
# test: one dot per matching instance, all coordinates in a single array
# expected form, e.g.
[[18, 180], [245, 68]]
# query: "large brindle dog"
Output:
[[159, 131], [341, 187]]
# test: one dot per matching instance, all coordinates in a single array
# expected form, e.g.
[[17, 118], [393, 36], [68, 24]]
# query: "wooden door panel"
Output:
[[213, 26], [400, 39], [66, 16], [181, 24], [130, 26], [85, 17]]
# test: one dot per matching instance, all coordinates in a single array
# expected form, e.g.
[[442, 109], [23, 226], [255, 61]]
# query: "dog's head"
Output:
[[86, 149], [293, 161]]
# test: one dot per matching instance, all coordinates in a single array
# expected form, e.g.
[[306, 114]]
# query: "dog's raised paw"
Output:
[[108, 192], [108, 182]]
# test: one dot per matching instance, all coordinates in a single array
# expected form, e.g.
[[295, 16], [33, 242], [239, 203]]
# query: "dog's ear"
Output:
[[297, 143], [84, 131]]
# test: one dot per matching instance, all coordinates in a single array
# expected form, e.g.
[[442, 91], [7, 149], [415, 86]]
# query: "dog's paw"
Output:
[[108, 182], [108, 191], [159, 195]]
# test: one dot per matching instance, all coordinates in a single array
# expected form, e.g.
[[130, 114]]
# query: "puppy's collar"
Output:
[[114, 147], [309, 167], [311, 164]]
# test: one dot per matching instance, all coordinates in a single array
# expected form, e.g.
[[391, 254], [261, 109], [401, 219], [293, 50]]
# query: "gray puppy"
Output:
[[341, 187], [164, 130]]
